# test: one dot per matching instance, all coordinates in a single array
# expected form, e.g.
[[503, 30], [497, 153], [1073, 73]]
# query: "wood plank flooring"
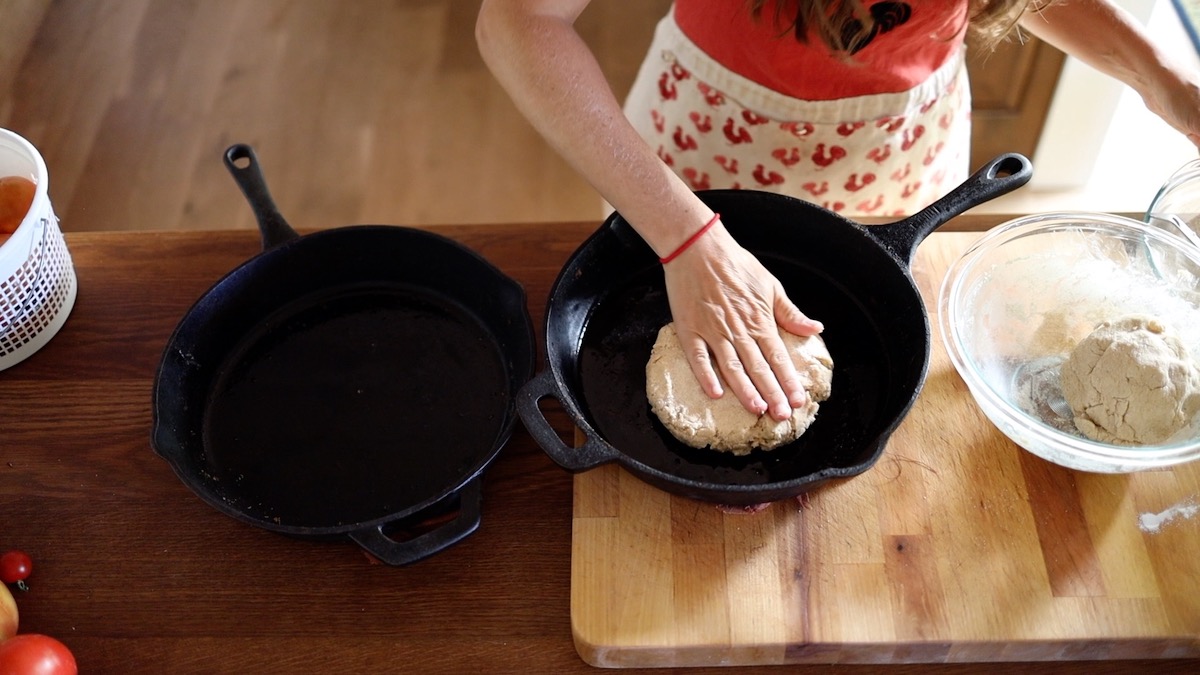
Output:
[[371, 111]]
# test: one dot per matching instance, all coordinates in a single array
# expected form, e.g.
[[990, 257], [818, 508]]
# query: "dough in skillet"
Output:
[[723, 424], [1131, 382]]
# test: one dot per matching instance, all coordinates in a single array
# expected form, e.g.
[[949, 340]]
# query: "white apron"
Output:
[[882, 155]]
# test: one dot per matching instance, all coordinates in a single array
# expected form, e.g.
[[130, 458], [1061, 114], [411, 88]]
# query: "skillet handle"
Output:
[[998, 177], [243, 165], [392, 552], [591, 454]]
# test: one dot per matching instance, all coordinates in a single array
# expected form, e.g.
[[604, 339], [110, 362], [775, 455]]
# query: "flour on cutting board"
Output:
[[1153, 522]]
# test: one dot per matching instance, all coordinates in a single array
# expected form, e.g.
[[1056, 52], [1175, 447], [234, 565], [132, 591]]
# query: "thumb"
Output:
[[790, 318]]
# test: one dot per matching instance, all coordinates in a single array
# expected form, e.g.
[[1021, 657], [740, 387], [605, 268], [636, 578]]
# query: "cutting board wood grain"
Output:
[[957, 546]]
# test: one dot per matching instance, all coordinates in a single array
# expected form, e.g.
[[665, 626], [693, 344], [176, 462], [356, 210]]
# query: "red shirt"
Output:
[[909, 41]]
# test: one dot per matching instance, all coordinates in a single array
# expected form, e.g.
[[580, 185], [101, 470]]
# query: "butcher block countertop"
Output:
[[956, 547]]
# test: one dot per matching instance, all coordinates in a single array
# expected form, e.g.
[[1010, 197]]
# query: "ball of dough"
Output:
[[723, 424], [1131, 382]]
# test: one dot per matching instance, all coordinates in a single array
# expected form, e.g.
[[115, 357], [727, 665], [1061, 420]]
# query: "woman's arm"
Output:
[[725, 304], [1109, 39], [553, 78]]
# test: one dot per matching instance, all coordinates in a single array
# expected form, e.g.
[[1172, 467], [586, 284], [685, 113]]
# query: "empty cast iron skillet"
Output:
[[608, 302], [353, 382]]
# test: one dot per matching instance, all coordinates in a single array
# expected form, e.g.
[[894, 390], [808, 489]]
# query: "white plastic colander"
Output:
[[37, 278]]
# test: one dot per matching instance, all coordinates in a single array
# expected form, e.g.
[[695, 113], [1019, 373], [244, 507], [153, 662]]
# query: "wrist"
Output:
[[692, 239]]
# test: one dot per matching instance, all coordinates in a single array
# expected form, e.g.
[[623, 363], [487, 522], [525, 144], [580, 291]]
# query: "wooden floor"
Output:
[[371, 111]]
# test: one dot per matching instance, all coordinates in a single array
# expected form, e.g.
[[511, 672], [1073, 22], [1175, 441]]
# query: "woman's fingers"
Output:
[[733, 369], [757, 370], [783, 371], [791, 319], [766, 367], [697, 354]]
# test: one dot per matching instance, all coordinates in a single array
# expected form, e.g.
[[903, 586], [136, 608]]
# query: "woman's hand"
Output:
[[727, 310], [1177, 101]]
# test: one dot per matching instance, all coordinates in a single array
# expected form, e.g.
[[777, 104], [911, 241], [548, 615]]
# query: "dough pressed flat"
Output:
[[723, 424]]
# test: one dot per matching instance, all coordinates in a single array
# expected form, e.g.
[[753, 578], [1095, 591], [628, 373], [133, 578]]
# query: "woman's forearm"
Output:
[[1109, 39], [1098, 33], [535, 53]]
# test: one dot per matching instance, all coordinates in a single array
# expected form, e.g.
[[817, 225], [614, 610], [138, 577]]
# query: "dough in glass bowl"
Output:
[[1131, 382]]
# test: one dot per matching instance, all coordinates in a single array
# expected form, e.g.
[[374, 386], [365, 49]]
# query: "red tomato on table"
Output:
[[15, 566], [34, 654]]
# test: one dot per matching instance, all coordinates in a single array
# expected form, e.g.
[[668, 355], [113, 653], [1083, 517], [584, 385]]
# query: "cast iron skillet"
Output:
[[354, 382], [608, 302]]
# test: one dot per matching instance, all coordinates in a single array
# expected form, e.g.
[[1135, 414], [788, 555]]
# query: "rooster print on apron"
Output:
[[877, 155]]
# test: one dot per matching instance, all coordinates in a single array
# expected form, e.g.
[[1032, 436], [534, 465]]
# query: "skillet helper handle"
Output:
[[397, 553], [998, 177], [591, 454], [243, 165]]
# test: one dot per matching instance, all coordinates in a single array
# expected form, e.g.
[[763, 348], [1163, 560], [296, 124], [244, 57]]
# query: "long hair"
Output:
[[843, 24]]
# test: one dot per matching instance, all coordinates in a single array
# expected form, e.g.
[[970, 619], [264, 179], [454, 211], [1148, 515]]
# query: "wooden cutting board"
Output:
[[957, 546]]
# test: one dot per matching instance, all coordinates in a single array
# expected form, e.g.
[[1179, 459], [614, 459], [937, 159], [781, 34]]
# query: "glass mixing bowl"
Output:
[[1014, 305], [1176, 207]]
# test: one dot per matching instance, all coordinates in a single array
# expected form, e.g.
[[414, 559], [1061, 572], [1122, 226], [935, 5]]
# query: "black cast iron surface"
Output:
[[345, 383]]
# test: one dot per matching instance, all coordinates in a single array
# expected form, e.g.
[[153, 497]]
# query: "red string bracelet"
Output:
[[691, 240]]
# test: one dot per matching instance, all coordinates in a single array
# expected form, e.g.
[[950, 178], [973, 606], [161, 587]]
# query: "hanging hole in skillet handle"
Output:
[[591, 454], [998, 177], [398, 552], [243, 165]]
